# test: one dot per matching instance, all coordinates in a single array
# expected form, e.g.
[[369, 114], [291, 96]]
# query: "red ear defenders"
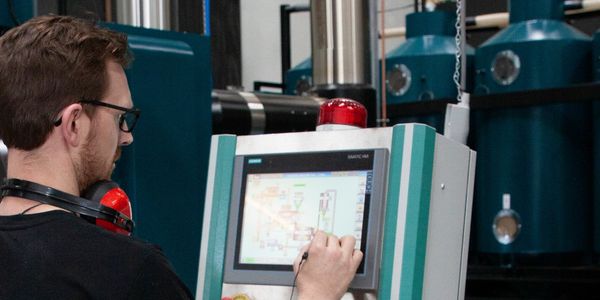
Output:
[[103, 203]]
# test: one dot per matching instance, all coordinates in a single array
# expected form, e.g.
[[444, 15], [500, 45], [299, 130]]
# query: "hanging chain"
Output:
[[458, 55]]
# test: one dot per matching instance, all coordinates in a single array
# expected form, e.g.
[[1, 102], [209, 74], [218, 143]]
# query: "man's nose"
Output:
[[125, 139]]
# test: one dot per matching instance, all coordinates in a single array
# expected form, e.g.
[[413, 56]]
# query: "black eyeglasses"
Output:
[[127, 119]]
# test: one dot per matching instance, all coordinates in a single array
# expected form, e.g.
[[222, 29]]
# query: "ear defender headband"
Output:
[[105, 204]]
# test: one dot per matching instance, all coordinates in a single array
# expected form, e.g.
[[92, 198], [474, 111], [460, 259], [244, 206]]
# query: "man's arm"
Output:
[[157, 280], [329, 268]]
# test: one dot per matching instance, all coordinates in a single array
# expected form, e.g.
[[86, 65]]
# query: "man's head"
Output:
[[49, 67]]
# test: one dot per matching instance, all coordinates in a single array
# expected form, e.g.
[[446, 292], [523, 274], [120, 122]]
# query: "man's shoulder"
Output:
[[71, 232], [106, 240], [88, 255]]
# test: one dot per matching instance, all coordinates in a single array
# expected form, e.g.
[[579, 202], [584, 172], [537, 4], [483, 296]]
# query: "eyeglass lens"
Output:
[[127, 121]]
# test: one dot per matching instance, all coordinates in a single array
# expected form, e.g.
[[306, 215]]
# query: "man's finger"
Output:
[[320, 239], [357, 257], [348, 242], [333, 241]]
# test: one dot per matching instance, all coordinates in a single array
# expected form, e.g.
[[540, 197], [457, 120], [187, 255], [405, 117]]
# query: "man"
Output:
[[65, 111]]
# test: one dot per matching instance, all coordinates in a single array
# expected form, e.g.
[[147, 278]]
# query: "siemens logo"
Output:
[[358, 156], [255, 161]]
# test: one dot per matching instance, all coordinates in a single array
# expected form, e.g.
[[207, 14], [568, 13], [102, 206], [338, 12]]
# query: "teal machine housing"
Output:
[[533, 193], [299, 78], [422, 68], [420, 231], [24, 10], [164, 170]]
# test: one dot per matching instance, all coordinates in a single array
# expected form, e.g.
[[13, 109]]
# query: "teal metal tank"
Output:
[[596, 147], [23, 10], [299, 78], [533, 179], [164, 170], [422, 68]]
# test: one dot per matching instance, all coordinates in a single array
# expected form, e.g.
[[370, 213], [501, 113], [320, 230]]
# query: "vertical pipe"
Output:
[[145, 13], [108, 10], [372, 56], [62, 7], [339, 42], [129, 13], [383, 117], [284, 23], [156, 14], [206, 16]]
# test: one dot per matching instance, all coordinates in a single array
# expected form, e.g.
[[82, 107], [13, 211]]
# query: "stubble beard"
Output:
[[92, 168]]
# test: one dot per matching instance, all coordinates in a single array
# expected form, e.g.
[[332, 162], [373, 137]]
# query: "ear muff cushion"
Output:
[[110, 195], [96, 191]]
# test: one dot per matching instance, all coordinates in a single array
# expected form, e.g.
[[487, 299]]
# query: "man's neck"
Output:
[[11, 206], [56, 172]]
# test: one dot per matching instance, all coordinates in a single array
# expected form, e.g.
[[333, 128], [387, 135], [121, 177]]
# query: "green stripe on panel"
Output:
[[417, 213], [389, 233], [213, 282]]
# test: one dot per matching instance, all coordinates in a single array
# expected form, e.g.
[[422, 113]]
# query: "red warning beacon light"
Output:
[[342, 113]]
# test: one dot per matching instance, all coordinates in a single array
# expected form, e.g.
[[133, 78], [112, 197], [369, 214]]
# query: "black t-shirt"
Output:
[[57, 255]]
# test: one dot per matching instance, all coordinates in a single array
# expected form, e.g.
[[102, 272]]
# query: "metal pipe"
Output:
[[499, 20], [108, 11], [154, 14], [374, 59], [394, 32], [583, 7], [574, 4], [286, 52], [340, 44], [241, 113], [129, 12]]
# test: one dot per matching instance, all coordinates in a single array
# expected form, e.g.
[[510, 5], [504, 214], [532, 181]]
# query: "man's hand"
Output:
[[329, 268]]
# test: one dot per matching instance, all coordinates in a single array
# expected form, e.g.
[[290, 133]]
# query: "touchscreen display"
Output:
[[282, 211], [286, 198]]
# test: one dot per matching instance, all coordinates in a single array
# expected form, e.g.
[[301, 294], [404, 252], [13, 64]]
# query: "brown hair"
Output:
[[47, 64]]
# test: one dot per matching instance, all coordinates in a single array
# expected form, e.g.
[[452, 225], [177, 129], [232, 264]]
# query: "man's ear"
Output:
[[72, 127]]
